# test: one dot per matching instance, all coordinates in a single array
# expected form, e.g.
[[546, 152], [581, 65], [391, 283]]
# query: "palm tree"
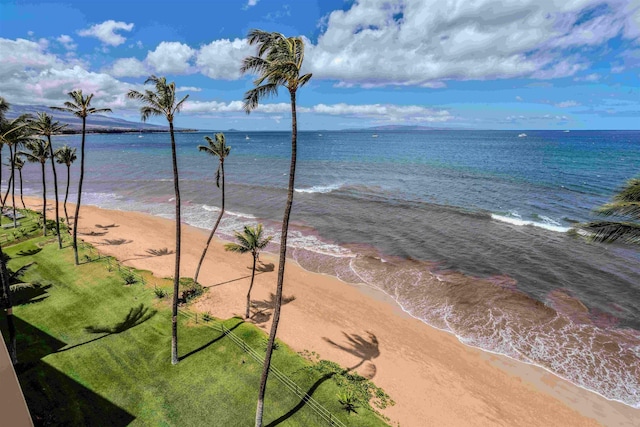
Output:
[[80, 106], [18, 164], [250, 240], [4, 107], [66, 155], [218, 149], [278, 63], [162, 102], [45, 126], [39, 153], [625, 204], [13, 133]]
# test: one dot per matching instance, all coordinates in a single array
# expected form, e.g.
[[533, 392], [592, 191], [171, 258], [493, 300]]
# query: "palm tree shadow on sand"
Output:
[[364, 348], [136, 316], [262, 268], [262, 310]]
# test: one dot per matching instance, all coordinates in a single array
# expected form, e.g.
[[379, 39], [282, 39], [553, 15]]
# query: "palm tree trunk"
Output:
[[13, 187], [6, 195], [44, 202], [55, 187], [21, 198], [176, 275], [66, 195], [283, 255], [1, 147], [215, 227], [253, 274], [77, 215], [5, 302]]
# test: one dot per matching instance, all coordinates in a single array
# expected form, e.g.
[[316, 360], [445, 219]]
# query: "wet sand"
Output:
[[433, 378]]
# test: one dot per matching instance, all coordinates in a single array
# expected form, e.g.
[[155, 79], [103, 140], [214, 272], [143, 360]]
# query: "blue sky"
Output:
[[487, 64]]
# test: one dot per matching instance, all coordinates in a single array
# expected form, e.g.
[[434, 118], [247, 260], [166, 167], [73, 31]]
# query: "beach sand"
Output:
[[433, 378]]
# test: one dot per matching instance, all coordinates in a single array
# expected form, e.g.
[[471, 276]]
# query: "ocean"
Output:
[[466, 230]]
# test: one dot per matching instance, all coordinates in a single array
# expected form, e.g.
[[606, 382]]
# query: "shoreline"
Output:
[[432, 376]]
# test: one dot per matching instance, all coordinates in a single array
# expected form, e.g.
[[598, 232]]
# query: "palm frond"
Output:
[[178, 106], [620, 209], [234, 247], [253, 96], [610, 231], [630, 192]]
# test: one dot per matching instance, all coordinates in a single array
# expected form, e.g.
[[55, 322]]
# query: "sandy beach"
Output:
[[433, 377]]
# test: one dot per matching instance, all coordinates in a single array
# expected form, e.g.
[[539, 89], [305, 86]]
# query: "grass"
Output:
[[96, 352]]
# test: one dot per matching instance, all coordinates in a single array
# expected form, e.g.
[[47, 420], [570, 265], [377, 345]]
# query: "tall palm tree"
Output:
[[18, 164], [13, 133], [625, 204], [44, 125], [66, 155], [39, 153], [80, 106], [219, 149], [278, 63], [162, 102], [250, 240]]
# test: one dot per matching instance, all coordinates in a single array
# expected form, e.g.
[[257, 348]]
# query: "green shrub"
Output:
[[206, 317], [160, 293], [128, 277], [348, 401], [189, 290]]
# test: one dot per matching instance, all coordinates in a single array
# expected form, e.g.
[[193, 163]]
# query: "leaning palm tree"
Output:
[[39, 153], [219, 149], [18, 164], [278, 63], [625, 210], [162, 102], [66, 155], [80, 106], [250, 240], [44, 125]]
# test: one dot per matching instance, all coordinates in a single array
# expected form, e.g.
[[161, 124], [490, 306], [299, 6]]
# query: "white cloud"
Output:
[[128, 67], [415, 42], [567, 104], [171, 57], [67, 42], [250, 3], [594, 77], [188, 89], [518, 98], [221, 59], [106, 32]]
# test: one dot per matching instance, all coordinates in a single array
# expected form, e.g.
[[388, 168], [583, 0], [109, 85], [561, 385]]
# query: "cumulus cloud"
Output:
[[67, 42], [106, 32], [413, 42], [250, 3], [128, 67], [221, 59], [171, 57], [188, 89]]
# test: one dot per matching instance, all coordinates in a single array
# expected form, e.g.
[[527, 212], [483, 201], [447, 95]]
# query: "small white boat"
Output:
[[319, 134], [522, 135], [247, 137], [375, 135], [566, 131], [140, 136]]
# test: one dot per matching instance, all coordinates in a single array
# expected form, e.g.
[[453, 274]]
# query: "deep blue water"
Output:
[[465, 229]]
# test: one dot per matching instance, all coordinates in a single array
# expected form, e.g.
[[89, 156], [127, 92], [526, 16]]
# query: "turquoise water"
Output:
[[465, 229]]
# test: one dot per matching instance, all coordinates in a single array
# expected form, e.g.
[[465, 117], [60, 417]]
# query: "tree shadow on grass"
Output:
[[53, 398], [29, 252], [213, 341], [136, 316], [302, 402], [261, 313]]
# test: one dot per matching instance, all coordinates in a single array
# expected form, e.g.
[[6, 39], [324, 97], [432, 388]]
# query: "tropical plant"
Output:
[[216, 148], [80, 106], [250, 240], [625, 210], [18, 164], [44, 125], [13, 133], [278, 63], [4, 107], [39, 153], [162, 102], [66, 155]]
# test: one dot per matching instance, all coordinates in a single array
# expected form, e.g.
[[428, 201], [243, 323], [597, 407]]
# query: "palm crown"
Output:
[[162, 102], [217, 148], [80, 105], [65, 155], [278, 63], [44, 125], [38, 151], [625, 204], [250, 240]]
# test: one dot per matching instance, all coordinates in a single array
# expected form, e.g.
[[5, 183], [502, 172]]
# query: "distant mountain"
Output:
[[402, 128], [95, 123]]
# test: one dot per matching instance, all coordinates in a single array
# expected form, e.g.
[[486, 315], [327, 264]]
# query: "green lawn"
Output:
[[96, 352]]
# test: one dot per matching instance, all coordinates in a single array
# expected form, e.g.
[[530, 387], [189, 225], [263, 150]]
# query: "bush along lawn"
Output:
[[94, 349]]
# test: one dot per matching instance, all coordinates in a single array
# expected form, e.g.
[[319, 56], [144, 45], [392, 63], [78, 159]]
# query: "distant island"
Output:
[[95, 124], [403, 128]]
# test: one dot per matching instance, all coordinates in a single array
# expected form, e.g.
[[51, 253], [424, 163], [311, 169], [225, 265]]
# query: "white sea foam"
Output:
[[547, 224], [319, 188]]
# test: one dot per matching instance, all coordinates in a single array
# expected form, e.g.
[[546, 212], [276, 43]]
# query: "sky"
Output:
[[462, 64]]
